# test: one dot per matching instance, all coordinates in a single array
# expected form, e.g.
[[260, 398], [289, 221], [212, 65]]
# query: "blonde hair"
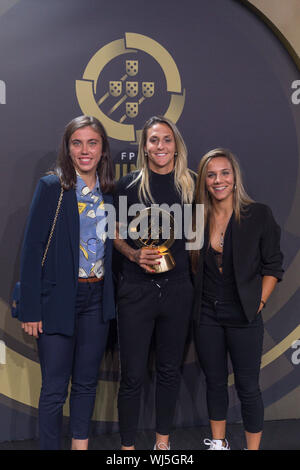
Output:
[[240, 197], [184, 182]]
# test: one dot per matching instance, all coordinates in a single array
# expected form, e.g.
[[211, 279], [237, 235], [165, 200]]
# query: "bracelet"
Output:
[[263, 302]]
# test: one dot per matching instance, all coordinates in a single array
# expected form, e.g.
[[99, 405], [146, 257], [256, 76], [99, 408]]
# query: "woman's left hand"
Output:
[[261, 306], [33, 328], [268, 285]]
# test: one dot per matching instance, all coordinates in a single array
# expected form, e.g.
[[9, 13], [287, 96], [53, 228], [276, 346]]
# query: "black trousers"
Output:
[[144, 308], [244, 345]]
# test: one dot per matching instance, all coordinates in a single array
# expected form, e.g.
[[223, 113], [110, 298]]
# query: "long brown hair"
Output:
[[64, 168], [240, 197]]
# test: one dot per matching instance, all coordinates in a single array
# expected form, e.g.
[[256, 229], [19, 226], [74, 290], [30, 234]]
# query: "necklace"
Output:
[[218, 229], [222, 239]]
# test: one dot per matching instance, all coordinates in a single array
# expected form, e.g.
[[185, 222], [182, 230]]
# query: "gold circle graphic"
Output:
[[86, 87]]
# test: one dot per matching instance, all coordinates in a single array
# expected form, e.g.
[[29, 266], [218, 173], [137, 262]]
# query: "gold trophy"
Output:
[[155, 228]]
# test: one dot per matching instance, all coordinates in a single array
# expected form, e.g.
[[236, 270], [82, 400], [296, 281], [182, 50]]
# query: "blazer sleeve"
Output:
[[36, 235], [271, 255]]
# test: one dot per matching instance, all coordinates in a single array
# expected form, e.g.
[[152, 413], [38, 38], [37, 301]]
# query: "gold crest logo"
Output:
[[148, 89], [132, 109], [115, 88], [132, 88], [132, 67], [114, 101]]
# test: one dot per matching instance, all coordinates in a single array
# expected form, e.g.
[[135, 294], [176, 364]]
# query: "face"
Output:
[[85, 146], [220, 178], [161, 147]]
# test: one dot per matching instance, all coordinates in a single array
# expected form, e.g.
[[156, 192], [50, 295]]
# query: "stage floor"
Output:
[[278, 435]]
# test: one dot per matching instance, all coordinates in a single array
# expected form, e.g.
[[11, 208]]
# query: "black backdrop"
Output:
[[222, 73]]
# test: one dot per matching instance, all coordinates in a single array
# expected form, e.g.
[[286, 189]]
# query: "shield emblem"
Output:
[[132, 67], [115, 88], [148, 89], [132, 109], [132, 88]]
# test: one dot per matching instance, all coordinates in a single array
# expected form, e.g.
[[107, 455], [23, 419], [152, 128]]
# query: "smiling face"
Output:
[[220, 179], [161, 147], [85, 147]]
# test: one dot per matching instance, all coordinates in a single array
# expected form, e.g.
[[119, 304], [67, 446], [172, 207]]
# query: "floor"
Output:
[[278, 435]]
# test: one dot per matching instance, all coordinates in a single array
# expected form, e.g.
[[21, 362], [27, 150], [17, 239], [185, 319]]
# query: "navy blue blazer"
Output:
[[256, 253], [49, 293]]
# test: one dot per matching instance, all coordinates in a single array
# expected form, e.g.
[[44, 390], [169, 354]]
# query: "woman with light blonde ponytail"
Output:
[[150, 303], [183, 179]]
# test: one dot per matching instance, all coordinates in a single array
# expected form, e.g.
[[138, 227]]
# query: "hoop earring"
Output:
[[146, 154]]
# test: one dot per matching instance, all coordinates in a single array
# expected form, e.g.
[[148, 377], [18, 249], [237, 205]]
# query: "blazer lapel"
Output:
[[73, 226], [107, 198], [198, 276], [235, 243]]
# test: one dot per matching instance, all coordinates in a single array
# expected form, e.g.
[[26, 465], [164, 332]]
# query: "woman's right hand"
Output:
[[146, 258], [33, 328]]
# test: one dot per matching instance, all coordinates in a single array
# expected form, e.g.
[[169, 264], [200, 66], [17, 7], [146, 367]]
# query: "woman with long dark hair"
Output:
[[235, 272], [67, 303]]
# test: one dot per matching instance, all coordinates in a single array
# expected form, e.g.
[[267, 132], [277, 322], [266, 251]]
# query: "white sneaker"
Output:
[[216, 444], [162, 446]]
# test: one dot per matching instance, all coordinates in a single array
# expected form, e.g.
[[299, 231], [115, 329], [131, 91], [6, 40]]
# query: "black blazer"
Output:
[[256, 253], [49, 294]]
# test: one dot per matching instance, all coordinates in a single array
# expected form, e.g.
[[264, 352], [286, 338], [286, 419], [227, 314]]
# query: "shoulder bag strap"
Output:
[[53, 225]]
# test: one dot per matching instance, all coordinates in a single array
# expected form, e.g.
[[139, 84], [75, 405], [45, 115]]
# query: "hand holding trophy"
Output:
[[153, 229]]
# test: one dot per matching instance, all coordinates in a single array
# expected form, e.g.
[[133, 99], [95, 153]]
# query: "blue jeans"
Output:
[[77, 357]]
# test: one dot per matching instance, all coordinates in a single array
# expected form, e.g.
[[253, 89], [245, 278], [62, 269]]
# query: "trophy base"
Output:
[[166, 262]]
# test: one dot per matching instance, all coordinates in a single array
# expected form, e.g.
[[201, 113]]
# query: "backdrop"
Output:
[[219, 70]]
